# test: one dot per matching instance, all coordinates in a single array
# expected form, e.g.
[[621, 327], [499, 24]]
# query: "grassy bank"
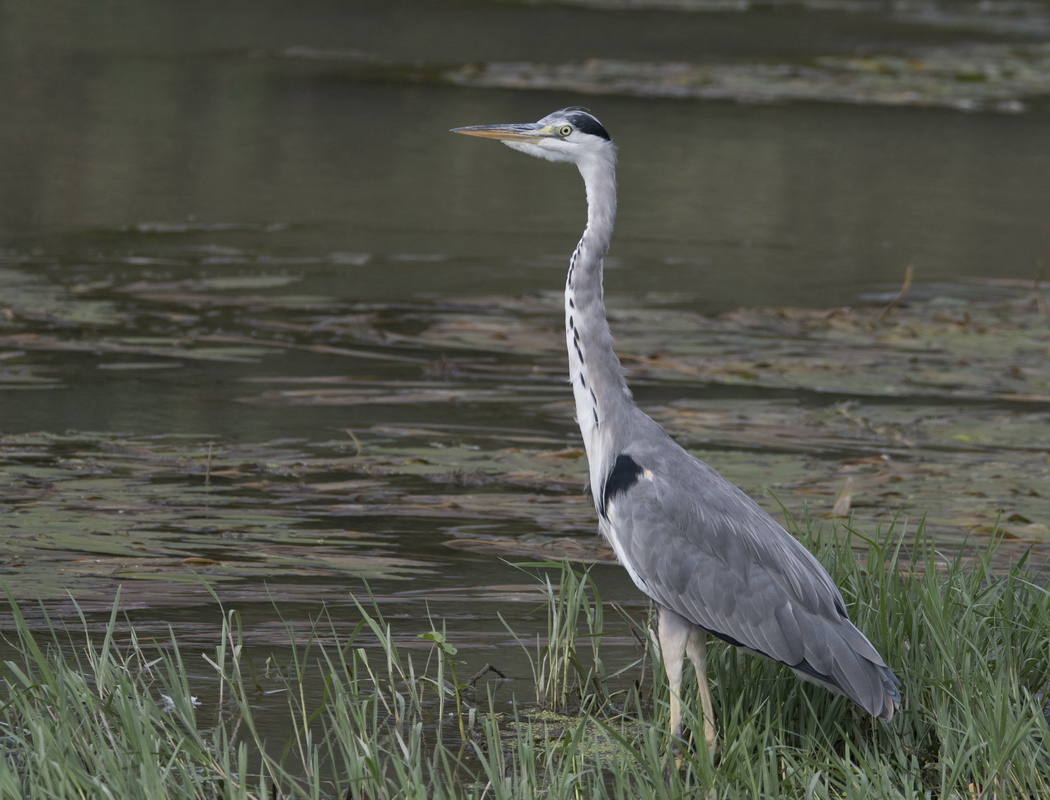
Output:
[[118, 719]]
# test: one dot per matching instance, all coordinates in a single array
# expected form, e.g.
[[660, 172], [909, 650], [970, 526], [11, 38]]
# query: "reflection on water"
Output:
[[313, 338]]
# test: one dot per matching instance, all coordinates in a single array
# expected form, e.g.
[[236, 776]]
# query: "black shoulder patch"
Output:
[[622, 477], [586, 123]]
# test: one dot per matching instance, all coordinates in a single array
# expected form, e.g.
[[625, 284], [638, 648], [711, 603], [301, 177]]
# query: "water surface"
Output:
[[264, 321]]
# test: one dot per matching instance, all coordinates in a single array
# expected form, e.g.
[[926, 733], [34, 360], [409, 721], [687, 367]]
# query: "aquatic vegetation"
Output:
[[965, 77], [935, 409], [108, 713]]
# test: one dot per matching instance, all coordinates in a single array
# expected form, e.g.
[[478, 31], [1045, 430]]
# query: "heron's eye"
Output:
[[565, 130]]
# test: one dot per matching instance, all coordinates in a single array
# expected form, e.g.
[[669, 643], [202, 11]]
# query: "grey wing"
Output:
[[701, 547]]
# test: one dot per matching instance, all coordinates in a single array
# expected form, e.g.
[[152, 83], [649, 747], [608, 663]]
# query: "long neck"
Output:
[[597, 378]]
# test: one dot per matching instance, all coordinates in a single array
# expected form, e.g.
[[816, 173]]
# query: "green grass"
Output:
[[114, 718]]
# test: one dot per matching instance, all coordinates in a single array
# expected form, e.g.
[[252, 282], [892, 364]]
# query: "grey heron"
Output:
[[712, 560]]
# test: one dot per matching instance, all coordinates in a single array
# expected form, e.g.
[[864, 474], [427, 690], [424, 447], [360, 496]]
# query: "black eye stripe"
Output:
[[585, 123]]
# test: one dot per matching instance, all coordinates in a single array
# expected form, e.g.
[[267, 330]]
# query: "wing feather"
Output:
[[702, 548]]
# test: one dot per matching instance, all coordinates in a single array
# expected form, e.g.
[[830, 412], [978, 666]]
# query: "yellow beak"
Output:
[[529, 132]]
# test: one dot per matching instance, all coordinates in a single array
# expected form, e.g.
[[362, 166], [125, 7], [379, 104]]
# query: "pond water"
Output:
[[265, 324]]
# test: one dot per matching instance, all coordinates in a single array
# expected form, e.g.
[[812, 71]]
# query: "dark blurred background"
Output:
[[312, 135]]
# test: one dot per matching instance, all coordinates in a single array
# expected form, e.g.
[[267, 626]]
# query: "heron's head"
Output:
[[571, 134]]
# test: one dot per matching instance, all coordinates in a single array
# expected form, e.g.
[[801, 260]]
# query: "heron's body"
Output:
[[706, 553]]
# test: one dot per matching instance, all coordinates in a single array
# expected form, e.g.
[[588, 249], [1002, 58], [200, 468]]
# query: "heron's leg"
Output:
[[673, 632], [696, 648]]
